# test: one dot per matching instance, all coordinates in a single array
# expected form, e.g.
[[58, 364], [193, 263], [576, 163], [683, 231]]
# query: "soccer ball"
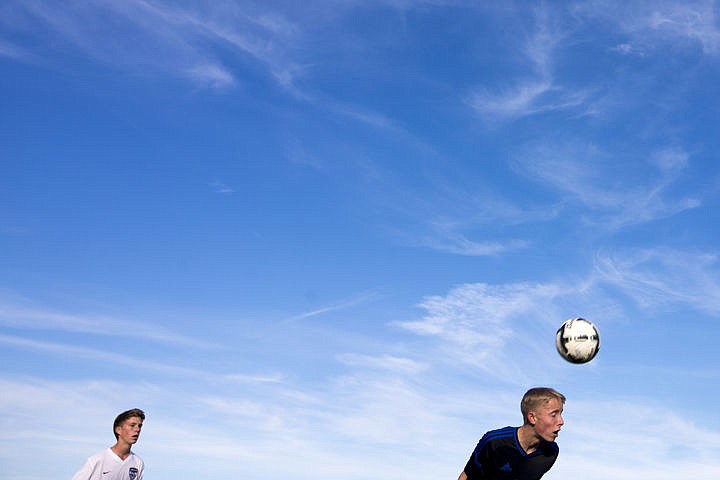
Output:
[[577, 340]]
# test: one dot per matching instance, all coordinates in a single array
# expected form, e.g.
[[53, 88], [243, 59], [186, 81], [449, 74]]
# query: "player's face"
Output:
[[548, 420], [129, 431]]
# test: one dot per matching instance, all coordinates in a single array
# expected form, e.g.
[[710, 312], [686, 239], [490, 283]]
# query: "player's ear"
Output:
[[532, 418]]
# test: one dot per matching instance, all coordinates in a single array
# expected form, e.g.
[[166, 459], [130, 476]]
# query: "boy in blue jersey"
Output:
[[521, 453]]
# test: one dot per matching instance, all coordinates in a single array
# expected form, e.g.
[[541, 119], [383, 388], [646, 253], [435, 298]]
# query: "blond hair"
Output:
[[536, 397]]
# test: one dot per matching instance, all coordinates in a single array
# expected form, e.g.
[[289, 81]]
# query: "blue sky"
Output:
[[335, 238]]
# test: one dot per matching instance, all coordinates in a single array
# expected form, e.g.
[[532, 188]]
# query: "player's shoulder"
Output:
[[137, 458], [505, 432], [97, 457], [498, 436], [105, 452]]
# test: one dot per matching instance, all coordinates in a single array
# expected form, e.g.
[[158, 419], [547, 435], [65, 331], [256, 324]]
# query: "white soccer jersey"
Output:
[[105, 465]]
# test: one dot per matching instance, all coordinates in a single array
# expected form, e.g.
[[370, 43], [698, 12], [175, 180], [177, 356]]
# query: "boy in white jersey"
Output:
[[117, 462]]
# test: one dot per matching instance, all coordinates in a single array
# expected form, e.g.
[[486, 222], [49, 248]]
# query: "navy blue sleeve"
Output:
[[479, 461]]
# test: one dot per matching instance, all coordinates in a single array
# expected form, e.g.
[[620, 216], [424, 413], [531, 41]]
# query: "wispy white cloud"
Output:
[[670, 161], [13, 51], [471, 221], [242, 378], [458, 244], [619, 193], [33, 318], [517, 102], [161, 37], [384, 362], [297, 153], [365, 116], [92, 354], [474, 323], [137, 363], [214, 76], [340, 305], [65, 350], [662, 277], [539, 91], [650, 27], [219, 187], [14, 231]]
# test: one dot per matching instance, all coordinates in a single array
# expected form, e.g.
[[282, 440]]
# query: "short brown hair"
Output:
[[536, 397], [120, 419]]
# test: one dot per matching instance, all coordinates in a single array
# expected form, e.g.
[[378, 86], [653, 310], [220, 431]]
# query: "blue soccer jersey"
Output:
[[498, 456]]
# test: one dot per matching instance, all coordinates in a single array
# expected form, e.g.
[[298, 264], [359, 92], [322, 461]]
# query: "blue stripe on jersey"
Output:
[[499, 433], [507, 432]]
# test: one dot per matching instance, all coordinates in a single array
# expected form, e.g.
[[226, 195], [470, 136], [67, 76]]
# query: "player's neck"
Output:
[[527, 439], [121, 449]]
